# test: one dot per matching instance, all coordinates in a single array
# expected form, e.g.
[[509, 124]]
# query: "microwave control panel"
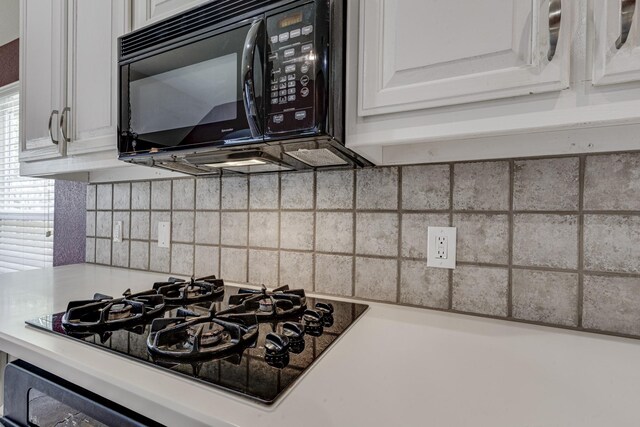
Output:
[[291, 70]]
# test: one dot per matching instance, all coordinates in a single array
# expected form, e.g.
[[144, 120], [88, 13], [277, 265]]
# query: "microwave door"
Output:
[[206, 92]]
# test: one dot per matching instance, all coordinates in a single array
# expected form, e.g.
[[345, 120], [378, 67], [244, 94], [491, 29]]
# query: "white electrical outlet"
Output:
[[164, 234], [441, 247], [117, 232]]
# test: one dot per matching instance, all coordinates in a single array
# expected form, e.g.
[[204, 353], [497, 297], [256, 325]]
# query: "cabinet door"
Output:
[[92, 79], [418, 54], [147, 11], [42, 62], [616, 55]]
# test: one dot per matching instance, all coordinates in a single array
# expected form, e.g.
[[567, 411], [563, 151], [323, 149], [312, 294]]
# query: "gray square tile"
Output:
[[611, 243], [90, 250], [182, 259], [141, 195], [263, 191], [334, 232], [481, 186], [545, 240], [184, 191], [140, 225], [103, 251], [546, 184], [91, 197], [233, 228], [296, 230], [612, 182], [139, 255], [207, 227], [208, 193], [103, 224], [335, 189], [182, 227], [235, 192], [124, 218], [377, 188], [206, 261], [263, 229], [159, 259], [482, 238], [161, 195], [122, 196], [90, 224], [334, 274], [414, 232], [425, 187], [377, 234], [377, 279], [545, 296], [612, 304], [297, 190], [157, 217], [296, 270], [263, 268], [422, 285], [233, 264], [480, 290], [104, 196], [120, 254]]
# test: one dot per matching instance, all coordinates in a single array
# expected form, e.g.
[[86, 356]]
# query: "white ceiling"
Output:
[[9, 20]]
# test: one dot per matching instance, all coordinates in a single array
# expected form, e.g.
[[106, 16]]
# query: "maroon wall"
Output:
[[9, 63]]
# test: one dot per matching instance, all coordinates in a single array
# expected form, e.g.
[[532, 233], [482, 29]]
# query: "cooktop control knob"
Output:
[[327, 312], [276, 344], [312, 320], [293, 330]]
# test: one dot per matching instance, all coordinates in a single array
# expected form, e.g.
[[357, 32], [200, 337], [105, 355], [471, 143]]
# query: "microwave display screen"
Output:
[[294, 18], [200, 93]]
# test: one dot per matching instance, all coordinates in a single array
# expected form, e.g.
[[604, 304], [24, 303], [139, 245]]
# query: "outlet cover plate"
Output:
[[164, 234], [435, 238]]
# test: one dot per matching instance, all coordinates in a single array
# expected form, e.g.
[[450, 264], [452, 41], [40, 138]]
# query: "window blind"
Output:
[[26, 204]]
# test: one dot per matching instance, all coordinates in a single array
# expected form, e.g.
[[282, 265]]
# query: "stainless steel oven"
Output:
[[248, 86]]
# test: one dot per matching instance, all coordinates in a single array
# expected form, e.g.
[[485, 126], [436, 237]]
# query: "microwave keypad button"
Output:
[[304, 80], [288, 53], [283, 100], [301, 115], [274, 87], [278, 118], [294, 33], [274, 39], [307, 47], [273, 56], [283, 92], [306, 30], [291, 98], [291, 77], [283, 37], [304, 92], [274, 101], [291, 84], [304, 68], [290, 68], [291, 91], [283, 85], [274, 94], [283, 79]]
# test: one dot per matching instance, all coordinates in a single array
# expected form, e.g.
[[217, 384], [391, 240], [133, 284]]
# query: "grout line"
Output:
[[510, 237], [581, 175], [399, 262], [451, 188], [354, 175], [279, 256], [246, 241], [219, 179], [315, 234]]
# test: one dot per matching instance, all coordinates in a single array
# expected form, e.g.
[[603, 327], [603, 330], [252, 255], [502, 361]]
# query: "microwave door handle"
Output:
[[248, 88]]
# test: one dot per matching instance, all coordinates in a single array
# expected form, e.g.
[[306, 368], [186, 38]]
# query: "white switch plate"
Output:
[[441, 247], [164, 234], [117, 232]]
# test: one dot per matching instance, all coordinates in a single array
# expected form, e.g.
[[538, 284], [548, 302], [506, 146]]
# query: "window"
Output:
[[26, 204]]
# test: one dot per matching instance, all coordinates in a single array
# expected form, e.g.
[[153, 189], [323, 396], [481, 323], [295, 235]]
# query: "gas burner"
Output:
[[105, 313], [181, 292], [282, 302], [190, 336]]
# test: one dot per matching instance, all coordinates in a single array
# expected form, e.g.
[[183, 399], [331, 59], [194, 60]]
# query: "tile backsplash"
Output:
[[553, 241]]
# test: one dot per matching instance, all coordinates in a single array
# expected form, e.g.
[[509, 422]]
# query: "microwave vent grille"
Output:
[[191, 21]]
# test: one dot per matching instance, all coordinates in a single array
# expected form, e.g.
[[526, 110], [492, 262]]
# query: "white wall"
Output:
[[9, 20]]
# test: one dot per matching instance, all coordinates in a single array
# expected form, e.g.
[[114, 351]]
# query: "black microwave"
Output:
[[241, 86]]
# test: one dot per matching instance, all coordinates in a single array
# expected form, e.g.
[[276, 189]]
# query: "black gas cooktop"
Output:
[[255, 343]]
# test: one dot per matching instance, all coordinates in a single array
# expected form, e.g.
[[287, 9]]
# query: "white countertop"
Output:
[[396, 366]]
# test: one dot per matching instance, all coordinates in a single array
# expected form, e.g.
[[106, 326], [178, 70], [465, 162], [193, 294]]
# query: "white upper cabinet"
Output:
[[616, 56], [148, 11], [92, 79], [418, 54], [42, 66]]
